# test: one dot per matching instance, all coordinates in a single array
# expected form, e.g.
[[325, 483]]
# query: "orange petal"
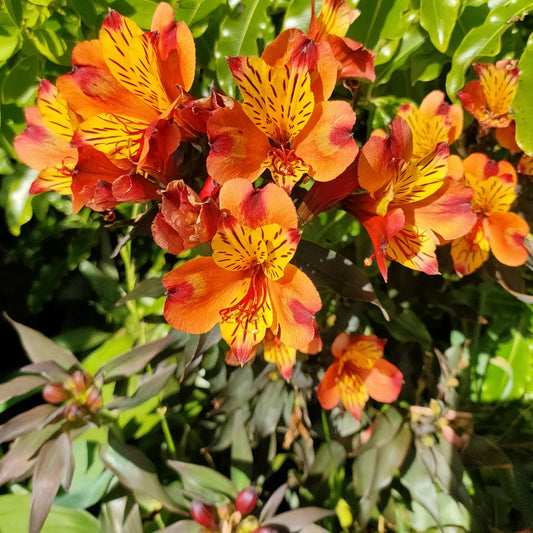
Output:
[[237, 147], [384, 382], [258, 207], [506, 232], [352, 389], [470, 251], [295, 301], [363, 350], [525, 165], [54, 110], [197, 291], [274, 351], [506, 137], [327, 392], [356, 62], [326, 143], [58, 179]]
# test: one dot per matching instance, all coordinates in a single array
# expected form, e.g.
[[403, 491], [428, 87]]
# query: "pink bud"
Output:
[[55, 393], [94, 400], [246, 500], [204, 514]]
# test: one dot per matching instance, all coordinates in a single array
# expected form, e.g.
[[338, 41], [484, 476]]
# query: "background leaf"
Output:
[[438, 18]]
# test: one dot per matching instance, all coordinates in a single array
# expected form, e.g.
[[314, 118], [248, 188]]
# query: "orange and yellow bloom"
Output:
[[248, 285], [358, 373], [496, 228]]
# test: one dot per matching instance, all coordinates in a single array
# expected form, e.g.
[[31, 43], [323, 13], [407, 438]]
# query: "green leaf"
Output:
[[14, 9], [438, 18], [522, 104], [242, 458], [120, 516], [18, 209], [52, 46], [86, 11], [241, 34], [269, 407], [483, 40], [15, 516], [298, 518], [298, 15], [10, 36], [194, 11]]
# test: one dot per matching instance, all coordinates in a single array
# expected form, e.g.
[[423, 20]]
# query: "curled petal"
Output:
[[356, 62], [506, 232], [327, 392], [384, 382]]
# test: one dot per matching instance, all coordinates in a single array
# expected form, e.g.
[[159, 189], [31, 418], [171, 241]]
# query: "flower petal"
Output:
[[470, 251], [506, 232], [197, 291], [327, 391], [274, 351], [384, 382]]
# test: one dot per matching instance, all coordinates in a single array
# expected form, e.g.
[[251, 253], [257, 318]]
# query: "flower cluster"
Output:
[[123, 127]]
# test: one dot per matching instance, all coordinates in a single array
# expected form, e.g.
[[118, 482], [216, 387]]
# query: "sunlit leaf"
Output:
[[522, 105], [10, 38], [483, 40], [438, 18]]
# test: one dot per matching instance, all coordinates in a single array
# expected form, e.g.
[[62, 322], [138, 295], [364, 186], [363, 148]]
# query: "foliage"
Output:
[[406, 254]]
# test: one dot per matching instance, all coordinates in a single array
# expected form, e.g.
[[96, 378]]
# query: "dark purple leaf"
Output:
[[48, 369], [40, 348], [299, 518], [30, 420], [326, 268], [19, 386], [272, 504], [152, 385], [53, 463], [135, 359], [18, 461]]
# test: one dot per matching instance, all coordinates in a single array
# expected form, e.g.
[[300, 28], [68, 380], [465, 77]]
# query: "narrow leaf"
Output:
[[40, 348], [522, 104], [19, 386], [52, 464], [147, 288], [30, 420], [241, 453], [272, 504], [299, 518]]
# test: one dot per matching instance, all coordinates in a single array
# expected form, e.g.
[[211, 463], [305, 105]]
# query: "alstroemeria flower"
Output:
[[184, 220], [331, 26], [496, 228], [248, 285], [125, 82], [359, 372], [412, 204], [284, 124], [432, 123], [489, 98]]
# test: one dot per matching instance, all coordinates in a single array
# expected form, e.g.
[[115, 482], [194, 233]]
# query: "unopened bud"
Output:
[[80, 381], [94, 400], [55, 393], [246, 500], [204, 515]]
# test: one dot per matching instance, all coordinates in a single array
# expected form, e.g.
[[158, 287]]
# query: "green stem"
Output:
[[161, 411]]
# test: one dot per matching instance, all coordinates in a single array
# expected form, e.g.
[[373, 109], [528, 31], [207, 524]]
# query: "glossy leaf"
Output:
[[40, 348], [194, 11], [484, 40], [298, 15], [198, 477], [138, 473], [522, 104], [438, 18], [11, 38], [241, 33], [53, 465], [18, 208]]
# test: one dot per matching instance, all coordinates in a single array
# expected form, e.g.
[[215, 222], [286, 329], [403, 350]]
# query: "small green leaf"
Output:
[[298, 15], [438, 18], [194, 11], [483, 40], [241, 34], [14, 8], [10, 36], [18, 209], [52, 46], [522, 104]]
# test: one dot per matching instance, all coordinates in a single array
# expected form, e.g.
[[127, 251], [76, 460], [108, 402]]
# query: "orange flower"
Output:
[[248, 285], [284, 124], [412, 204], [496, 229], [432, 123], [489, 98], [358, 373], [331, 26]]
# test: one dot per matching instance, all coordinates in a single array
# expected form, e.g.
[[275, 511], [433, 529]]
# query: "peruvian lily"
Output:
[[411, 204], [331, 26], [285, 124], [128, 81], [359, 372], [496, 229], [489, 98], [432, 123], [248, 285]]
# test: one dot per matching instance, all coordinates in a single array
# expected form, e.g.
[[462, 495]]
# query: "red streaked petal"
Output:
[[498, 83], [363, 350], [238, 149], [295, 300], [384, 382], [54, 110], [356, 62], [326, 143], [506, 232], [197, 291], [470, 251], [283, 356], [258, 207], [58, 179]]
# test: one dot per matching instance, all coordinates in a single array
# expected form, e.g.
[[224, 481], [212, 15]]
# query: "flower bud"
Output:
[[55, 393], [204, 515], [80, 381], [246, 500], [94, 400]]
